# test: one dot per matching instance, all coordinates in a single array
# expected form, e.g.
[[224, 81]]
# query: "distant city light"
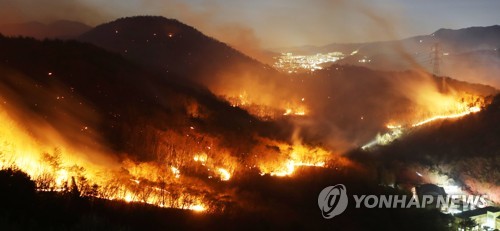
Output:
[[287, 62]]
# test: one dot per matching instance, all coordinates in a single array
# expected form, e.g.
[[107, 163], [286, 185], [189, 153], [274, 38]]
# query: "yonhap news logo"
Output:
[[333, 201]]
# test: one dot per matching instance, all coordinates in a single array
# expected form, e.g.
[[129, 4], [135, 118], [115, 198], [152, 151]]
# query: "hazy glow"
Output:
[[319, 23]]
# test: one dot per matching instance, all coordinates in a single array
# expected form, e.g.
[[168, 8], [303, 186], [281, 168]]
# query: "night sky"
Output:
[[276, 23]]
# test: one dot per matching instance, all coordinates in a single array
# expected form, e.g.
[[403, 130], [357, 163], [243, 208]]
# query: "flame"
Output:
[[39, 161], [449, 108], [290, 168], [298, 112], [451, 116], [175, 171], [200, 157], [57, 169], [289, 157], [266, 110], [224, 174], [197, 208], [297, 109]]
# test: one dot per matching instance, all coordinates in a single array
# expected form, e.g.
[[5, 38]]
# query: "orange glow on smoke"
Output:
[[450, 106], [444, 107], [264, 109]]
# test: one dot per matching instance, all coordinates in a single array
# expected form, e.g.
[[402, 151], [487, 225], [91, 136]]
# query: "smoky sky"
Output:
[[277, 23]]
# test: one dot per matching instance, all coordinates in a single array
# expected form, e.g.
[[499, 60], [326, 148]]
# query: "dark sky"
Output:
[[275, 23]]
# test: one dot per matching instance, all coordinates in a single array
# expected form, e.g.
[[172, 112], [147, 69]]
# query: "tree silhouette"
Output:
[[468, 223], [17, 190]]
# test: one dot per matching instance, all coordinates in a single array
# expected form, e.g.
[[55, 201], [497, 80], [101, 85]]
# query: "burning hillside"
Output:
[[179, 120], [182, 175], [184, 163], [181, 163], [455, 153], [340, 106]]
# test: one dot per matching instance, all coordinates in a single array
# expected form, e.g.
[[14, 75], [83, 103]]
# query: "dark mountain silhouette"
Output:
[[170, 46], [418, 50], [454, 47], [61, 29], [118, 99], [457, 41], [469, 39]]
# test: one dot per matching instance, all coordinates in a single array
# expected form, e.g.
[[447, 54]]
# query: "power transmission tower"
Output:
[[435, 61]]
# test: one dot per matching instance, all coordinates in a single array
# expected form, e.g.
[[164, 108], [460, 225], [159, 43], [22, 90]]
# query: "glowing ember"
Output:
[[200, 157]]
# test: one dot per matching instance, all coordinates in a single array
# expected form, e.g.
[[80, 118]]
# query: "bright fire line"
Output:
[[453, 116]]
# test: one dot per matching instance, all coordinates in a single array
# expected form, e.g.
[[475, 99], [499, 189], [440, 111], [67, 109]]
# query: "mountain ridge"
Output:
[[312, 49], [60, 29], [169, 45]]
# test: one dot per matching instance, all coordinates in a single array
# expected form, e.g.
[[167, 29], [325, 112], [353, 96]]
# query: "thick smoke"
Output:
[[345, 108], [239, 36], [45, 11], [476, 67], [364, 100], [274, 28], [55, 117]]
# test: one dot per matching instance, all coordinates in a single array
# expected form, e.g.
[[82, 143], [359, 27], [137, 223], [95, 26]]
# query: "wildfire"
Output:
[[197, 208], [58, 169], [299, 112], [474, 109], [201, 158], [295, 109], [241, 100], [224, 174], [289, 157], [177, 176], [290, 168], [266, 108], [450, 108], [175, 171]]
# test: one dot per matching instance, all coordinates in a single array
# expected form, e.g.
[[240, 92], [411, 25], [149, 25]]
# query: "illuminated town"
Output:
[[288, 62]]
